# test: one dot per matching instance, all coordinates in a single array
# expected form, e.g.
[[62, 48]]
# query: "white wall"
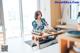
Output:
[[45, 8]]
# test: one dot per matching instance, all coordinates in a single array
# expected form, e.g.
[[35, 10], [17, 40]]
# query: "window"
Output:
[[74, 11], [12, 17]]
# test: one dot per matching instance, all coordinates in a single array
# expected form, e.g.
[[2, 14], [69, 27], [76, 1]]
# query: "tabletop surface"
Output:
[[65, 37]]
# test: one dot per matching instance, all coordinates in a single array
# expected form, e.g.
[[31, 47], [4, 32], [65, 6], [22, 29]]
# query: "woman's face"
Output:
[[39, 16]]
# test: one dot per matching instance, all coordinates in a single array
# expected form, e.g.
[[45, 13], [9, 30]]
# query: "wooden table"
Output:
[[65, 41], [50, 34], [45, 34], [36, 37]]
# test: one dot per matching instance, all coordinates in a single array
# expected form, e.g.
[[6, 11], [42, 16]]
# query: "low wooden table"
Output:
[[36, 38], [65, 41], [46, 34], [50, 34]]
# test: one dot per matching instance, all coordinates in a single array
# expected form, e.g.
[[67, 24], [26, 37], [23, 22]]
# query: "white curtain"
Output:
[[29, 7], [11, 18]]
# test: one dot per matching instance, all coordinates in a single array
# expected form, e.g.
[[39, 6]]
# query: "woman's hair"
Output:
[[37, 13]]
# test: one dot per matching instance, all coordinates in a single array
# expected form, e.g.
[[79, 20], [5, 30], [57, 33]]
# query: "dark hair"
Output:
[[37, 13]]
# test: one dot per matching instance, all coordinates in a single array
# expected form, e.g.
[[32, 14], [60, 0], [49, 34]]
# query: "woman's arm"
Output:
[[34, 24], [44, 22], [35, 27]]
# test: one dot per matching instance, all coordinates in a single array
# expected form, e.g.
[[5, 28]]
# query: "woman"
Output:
[[38, 27], [39, 23]]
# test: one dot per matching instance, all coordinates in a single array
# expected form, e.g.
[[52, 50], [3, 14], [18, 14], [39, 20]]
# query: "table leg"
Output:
[[63, 46]]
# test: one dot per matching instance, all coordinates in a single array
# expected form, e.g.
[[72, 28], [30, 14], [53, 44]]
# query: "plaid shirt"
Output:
[[40, 28]]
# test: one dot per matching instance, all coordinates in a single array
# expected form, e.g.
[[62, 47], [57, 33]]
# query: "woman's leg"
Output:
[[35, 39], [44, 36]]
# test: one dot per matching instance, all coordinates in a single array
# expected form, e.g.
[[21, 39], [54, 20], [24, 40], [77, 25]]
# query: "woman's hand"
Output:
[[48, 27]]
